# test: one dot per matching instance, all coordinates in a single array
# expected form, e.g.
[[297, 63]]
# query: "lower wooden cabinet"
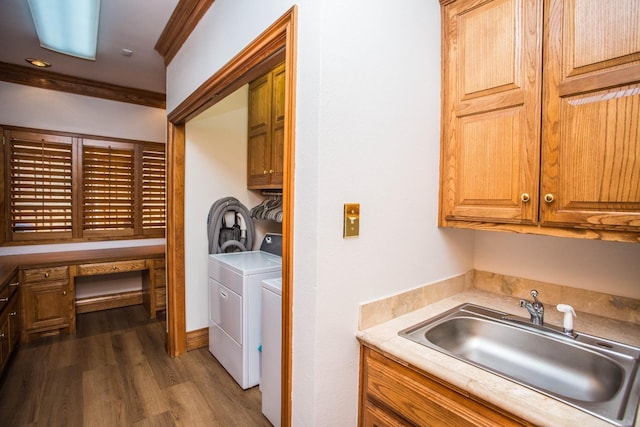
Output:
[[47, 301], [392, 395], [9, 319]]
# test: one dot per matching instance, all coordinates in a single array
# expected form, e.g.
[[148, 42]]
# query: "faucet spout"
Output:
[[535, 308]]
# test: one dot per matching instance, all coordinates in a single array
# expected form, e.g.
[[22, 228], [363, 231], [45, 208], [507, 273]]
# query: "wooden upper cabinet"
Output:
[[266, 130], [591, 115], [547, 146], [491, 132]]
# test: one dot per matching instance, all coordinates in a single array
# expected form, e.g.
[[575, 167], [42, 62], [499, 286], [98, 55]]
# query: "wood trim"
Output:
[[176, 317], [280, 35], [581, 233], [64, 83], [234, 74], [198, 339], [105, 302], [183, 21]]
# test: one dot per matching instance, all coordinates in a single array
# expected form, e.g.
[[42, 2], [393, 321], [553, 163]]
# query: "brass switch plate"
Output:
[[351, 226]]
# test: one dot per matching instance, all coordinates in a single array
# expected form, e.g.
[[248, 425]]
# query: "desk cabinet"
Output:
[[48, 301], [9, 319]]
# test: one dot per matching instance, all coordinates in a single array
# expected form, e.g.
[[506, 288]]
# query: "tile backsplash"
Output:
[[596, 303]]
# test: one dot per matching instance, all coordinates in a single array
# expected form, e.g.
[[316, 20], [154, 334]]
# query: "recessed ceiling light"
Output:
[[38, 62]]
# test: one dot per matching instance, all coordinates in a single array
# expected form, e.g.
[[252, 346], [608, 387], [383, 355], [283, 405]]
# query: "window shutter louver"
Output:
[[153, 188], [40, 185], [108, 188], [65, 187]]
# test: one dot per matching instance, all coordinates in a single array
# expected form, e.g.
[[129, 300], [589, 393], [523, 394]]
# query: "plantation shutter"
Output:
[[108, 188], [153, 189], [40, 193]]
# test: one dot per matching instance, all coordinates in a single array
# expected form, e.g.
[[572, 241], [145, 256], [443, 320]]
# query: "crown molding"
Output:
[[182, 22], [64, 83]]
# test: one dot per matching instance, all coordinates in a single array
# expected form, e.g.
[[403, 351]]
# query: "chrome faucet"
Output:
[[535, 308]]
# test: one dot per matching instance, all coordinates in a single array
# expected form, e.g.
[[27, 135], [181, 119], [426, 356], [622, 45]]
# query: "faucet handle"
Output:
[[534, 294]]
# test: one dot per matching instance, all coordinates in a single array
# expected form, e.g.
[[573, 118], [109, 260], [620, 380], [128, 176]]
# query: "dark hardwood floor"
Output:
[[115, 372]]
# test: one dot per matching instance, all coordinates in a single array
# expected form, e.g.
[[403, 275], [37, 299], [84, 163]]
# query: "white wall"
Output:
[[367, 131], [609, 267], [27, 106], [215, 167]]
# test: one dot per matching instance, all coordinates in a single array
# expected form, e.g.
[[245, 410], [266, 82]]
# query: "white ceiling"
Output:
[[124, 24]]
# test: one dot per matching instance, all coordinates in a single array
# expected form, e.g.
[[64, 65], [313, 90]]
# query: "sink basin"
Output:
[[593, 374]]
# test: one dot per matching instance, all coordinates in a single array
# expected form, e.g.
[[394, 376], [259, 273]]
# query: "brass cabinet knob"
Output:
[[64, 293], [46, 275], [2, 335], [13, 313], [549, 198], [114, 267], [265, 172], [525, 197], [270, 170]]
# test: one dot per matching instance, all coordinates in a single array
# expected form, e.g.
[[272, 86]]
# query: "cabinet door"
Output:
[[277, 117], [259, 138], [5, 341], [13, 313], [47, 306], [491, 111], [591, 146]]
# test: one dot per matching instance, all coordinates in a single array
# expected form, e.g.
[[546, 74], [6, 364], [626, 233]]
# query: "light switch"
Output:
[[351, 226]]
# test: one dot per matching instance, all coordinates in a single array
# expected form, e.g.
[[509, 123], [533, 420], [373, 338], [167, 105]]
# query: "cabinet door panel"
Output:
[[277, 143], [591, 149], [47, 305], [491, 139]]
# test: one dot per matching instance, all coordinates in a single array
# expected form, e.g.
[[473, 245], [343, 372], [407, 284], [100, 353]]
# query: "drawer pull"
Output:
[[64, 293], [13, 313], [2, 335], [4, 299], [14, 284], [114, 268], [46, 275]]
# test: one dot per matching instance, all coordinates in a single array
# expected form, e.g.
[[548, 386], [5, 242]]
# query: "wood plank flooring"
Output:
[[115, 372]]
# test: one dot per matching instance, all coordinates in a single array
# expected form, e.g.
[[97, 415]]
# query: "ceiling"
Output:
[[124, 24]]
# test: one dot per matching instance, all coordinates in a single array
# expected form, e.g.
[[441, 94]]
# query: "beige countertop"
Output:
[[530, 405]]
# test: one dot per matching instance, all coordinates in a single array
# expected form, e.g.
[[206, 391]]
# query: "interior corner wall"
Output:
[[367, 131]]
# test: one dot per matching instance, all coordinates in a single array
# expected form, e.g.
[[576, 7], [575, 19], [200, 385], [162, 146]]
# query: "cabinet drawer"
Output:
[[45, 274], [423, 401], [110, 267]]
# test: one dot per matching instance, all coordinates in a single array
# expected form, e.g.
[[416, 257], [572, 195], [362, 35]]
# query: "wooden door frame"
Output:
[[279, 40]]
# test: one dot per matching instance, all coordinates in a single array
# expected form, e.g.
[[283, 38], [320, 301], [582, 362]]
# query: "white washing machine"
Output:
[[271, 382], [235, 310]]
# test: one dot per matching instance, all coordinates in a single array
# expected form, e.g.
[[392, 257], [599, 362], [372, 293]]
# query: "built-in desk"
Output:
[[47, 284]]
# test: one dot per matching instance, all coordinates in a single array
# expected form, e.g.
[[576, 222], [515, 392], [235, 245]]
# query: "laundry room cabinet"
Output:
[[545, 144], [266, 130]]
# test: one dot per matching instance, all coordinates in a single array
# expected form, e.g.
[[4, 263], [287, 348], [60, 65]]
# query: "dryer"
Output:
[[235, 310]]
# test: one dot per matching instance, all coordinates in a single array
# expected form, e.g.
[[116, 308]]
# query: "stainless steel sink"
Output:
[[596, 375]]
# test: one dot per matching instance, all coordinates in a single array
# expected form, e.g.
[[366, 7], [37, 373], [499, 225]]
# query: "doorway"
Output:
[[276, 44]]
